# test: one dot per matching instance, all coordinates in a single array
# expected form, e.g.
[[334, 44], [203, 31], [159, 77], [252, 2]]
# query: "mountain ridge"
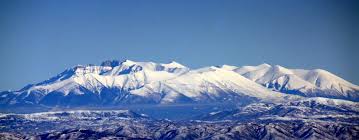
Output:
[[129, 82], [309, 83]]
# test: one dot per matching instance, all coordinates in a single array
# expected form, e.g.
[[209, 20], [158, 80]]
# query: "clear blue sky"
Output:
[[39, 39]]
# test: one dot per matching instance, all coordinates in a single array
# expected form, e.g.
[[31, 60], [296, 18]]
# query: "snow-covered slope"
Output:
[[209, 84], [130, 82], [86, 85], [311, 83], [77, 115]]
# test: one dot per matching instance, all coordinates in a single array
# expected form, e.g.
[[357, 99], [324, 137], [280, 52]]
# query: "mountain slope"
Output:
[[209, 84], [310, 83], [112, 127], [313, 109], [128, 82], [86, 85]]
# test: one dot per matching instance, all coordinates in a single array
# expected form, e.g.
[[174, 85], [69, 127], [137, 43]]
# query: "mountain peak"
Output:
[[321, 71], [171, 82], [227, 67], [110, 63], [174, 64], [278, 68], [128, 62], [264, 65]]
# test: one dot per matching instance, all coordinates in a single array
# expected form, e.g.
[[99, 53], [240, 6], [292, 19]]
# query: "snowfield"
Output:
[[130, 82], [147, 100]]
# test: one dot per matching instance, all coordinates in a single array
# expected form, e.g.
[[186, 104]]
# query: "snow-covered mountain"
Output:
[[309, 83], [215, 102], [209, 84], [108, 83], [129, 82]]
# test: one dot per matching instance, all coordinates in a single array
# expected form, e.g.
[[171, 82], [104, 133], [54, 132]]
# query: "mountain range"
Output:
[[147, 100], [128, 82], [308, 83]]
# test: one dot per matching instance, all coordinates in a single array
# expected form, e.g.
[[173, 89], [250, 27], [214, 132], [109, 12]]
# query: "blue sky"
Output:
[[39, 39]]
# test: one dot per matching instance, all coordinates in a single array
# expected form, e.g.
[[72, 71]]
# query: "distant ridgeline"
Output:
[[122, 83]]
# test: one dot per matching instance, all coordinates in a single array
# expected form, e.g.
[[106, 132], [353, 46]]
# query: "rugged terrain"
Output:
[[128, 125], [147, 100]]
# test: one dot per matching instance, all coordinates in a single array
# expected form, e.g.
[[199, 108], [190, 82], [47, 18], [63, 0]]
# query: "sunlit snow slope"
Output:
[[310, 83], [129, 82]]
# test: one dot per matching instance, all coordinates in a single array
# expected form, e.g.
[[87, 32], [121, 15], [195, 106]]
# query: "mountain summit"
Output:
[[309, 83], [126, 82]]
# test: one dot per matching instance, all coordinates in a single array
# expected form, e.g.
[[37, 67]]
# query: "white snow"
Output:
[[170, 82], [96, 77], [296, 79], [173, 64], [208, 81]]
